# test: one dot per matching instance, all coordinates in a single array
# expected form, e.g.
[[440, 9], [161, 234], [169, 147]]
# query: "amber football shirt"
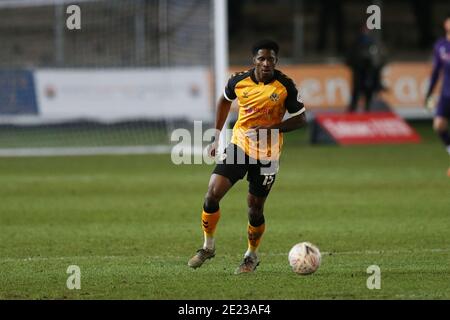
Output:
[[261, 104]]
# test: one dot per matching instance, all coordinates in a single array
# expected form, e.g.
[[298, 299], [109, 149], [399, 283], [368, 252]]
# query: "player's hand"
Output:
[[253, 132], [211, 149], [430, 103]]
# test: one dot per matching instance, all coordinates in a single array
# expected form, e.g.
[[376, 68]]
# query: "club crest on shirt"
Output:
[[274, 97]]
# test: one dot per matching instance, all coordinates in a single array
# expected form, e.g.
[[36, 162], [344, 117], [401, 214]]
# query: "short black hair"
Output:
[[265, 44]]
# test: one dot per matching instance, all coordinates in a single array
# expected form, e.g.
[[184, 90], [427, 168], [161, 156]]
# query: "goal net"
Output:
[[134, 71]]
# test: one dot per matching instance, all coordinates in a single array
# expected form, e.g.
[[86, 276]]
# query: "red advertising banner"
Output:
[[367, 128]]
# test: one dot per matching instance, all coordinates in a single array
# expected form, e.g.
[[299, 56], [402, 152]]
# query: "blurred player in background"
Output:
[[264, 95], [366, 59], [441, 63]]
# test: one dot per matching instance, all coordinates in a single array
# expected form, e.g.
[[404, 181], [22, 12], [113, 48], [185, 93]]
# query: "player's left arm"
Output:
[[295, 107], [291, 124]]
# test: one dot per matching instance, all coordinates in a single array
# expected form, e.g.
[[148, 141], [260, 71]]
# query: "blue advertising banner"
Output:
[[17, 92]]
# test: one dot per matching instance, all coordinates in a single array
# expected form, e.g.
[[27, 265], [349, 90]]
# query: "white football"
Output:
[[304, 258]]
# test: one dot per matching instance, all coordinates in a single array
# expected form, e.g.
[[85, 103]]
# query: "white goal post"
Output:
[[135, 71]]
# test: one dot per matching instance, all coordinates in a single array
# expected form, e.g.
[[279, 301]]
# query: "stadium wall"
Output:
[[119, 94]]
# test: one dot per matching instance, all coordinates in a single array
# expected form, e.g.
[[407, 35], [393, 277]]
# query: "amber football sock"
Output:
[[254, 238], [209, 222]]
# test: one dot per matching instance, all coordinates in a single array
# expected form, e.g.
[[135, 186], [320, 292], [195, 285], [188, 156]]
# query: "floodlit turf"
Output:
[[132, 222]]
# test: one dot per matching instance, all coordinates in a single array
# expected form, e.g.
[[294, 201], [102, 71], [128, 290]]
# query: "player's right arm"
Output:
[[223, 109]]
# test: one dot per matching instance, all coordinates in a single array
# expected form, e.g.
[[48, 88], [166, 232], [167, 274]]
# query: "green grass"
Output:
[[82, 135], [132, 222]]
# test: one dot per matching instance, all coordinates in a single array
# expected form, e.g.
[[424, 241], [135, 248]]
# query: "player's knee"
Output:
[[440, 125], [255, 209], [211, 203], [256, 217], [255, 202]]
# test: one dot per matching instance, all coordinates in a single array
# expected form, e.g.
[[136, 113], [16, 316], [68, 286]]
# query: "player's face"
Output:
[[447, 25], [265, 61]]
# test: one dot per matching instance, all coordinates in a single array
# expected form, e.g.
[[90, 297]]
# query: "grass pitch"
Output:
[[131, 223]]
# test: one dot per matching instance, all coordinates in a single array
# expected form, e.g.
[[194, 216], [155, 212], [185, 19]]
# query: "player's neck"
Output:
[[261, 78], [448, 36]]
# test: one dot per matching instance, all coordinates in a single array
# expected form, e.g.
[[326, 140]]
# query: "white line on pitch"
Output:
[[325, 253]]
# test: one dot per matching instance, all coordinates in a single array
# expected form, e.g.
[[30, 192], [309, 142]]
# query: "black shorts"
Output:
[[235, 164]]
